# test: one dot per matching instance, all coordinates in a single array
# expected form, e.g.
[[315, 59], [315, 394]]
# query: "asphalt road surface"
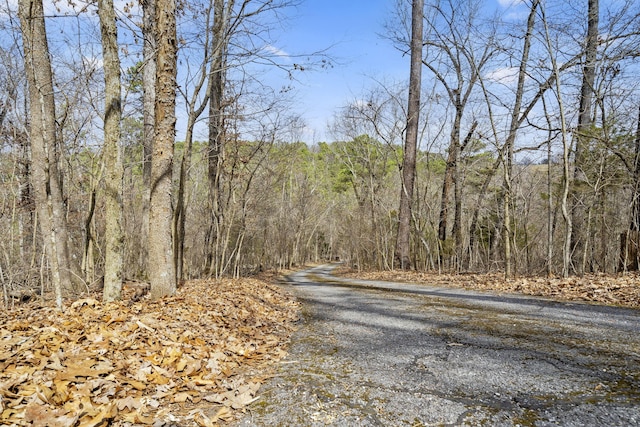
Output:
[[389, 354]]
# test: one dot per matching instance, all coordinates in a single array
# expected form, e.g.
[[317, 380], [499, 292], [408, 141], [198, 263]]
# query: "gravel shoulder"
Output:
[[372, 353]]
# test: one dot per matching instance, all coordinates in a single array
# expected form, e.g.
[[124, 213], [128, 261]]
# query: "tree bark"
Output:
[[148, 116], [45, 176], [511, 137], [216, 134], [585, 122], [161, 263], [566, 250], [112, 156], [403, 242]]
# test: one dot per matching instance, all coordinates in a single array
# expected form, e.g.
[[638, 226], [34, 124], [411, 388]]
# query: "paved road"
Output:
[[388, 354]]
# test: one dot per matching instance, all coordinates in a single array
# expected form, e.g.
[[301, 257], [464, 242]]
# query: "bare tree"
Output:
[[161, 262], [566, 145], [45, 145], [111, 153], [221, 18], [457, 58], [585, 121], [514, 125], [195, 105], [403, 243], [148, 115], [235, 28]]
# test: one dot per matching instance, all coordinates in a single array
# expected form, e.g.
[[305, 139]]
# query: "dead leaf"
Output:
[[202, 420], [223, 413], [96, 364], [181, 397], [104, 413], [129, 403]]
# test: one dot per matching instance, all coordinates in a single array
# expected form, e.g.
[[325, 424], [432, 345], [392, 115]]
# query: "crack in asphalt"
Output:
[[372, 353]]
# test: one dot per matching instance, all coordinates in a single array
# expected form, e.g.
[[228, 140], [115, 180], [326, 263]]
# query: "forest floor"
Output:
[[194, 359]]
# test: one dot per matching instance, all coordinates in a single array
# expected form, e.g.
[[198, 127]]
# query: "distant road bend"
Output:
[[391, 354]]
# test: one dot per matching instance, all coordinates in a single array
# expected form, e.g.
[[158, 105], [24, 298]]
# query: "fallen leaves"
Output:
[[621, 290], [140, 363]]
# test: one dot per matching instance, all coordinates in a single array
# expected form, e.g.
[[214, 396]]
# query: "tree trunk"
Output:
[[111, 153], [511, 137], [160, 266], [585, 122], [148, 117], [476, 211], [566, 250], [403, 242], [629, 241], [216, 135], [550, 194], [450, 175], [45, 176]]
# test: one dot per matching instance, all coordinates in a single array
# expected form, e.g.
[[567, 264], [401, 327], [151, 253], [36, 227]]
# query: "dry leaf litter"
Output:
[[619, 290], [196, 358]]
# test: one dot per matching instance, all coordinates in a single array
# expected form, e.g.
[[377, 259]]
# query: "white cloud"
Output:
[[509, 3], [505, 75], [276, 51], [92, 64]]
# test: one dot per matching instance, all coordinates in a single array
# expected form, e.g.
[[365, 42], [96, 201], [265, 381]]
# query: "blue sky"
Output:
[[351, 30]]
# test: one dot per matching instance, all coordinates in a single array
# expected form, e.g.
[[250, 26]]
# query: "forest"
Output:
[[526, 160]]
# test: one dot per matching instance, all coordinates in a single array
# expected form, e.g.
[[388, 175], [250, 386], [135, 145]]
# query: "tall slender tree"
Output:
[[45, 145], [585, 121], [403, 242], [161, 263], [112, 157], [457, 60], [508, 149], [221, 15], [148, 114]]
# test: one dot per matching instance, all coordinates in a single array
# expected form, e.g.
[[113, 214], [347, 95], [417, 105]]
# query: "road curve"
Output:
[[389, 354]]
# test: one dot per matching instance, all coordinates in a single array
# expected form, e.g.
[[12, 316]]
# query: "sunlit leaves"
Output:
[[141, 362]]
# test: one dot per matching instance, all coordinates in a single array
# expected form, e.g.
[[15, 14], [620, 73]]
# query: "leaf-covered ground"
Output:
[[195, 359], [620, 290], [192, 359]]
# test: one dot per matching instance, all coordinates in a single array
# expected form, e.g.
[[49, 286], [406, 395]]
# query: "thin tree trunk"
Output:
[[585, 122], [566, 253], [161, 263], [112, 156], [179, 217], [457, 199], [88, 262], [45, 176], [549, 200], [403, 242], [511, 137], [216, 136], [476, 210], [450, 175], [148, 117]]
